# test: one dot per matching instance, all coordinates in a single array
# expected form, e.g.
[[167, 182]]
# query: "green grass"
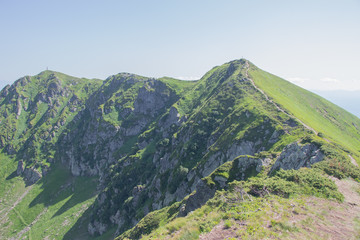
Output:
[[179, 86], [58, 201], [228, 209], [222, 107], [29, 132], [256, 201], [332, 121]]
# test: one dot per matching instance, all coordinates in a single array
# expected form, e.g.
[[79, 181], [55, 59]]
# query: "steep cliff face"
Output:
[[122, 108]]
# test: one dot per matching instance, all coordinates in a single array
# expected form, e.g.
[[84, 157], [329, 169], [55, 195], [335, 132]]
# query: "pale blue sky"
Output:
[[313, 43]]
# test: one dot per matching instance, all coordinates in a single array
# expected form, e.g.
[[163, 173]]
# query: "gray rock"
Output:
[[20, 168], [244, 148], [173, 117], [54, 88], [220, 180], [136, 193], [31, 175], [5, 91], [274, 137], [96, 227], [200, 197], [212, 163], [151, 98], [295, 156], [136, 127], [181, 191], [264, 162], [101, 199], [117, 219], [18, 108], [218, 158], [168, 198]]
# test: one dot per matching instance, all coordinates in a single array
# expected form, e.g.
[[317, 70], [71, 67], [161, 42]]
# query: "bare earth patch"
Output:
[[318, 219], [331, 219], [219, 232], [353, 161]]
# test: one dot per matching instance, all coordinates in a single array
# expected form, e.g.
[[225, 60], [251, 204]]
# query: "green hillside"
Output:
[[133, 156], [34, 112], [329, 120], [50, 207]]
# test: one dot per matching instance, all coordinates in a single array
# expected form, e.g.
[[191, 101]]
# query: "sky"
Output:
[[315, 44]]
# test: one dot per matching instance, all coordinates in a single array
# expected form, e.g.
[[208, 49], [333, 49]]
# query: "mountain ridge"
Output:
[[142, 145]]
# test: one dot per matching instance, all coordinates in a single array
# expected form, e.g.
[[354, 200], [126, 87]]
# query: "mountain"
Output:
[[133, 156]]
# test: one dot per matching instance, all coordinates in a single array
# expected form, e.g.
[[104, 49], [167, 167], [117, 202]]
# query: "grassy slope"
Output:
[[335, 123], [226, 94], [230, 216], [51, 207], [299, 103], [64, 209], [56, 206], [179, 86], [285, 211], [218, 105], [38, 121]]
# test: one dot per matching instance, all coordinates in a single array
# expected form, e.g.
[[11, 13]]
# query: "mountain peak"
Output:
[[104, 148]]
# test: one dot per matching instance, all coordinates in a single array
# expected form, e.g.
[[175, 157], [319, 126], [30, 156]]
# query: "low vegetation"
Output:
[[125, 157]]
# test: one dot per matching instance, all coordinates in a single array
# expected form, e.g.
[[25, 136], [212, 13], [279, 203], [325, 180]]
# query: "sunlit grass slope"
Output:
[[326, 118], [45, 210]]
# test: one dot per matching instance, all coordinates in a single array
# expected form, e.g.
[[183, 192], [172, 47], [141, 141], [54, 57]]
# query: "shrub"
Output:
[[339, 168]]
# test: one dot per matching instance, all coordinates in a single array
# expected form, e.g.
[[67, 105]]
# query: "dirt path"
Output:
[[336, 220], [271, 101], [219, 232], [18, 200], [353, 161], [27, 228], [331, 219], [350, 189], [316, 218]]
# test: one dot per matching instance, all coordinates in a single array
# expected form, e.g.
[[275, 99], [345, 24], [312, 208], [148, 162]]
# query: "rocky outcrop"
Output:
[[5, 91], [173, 117], [246, 164], [96, 227], [20, 168], [295, 156], [203, 193], [18, 108], [54, 88], [31, 175], [235, 150], [240, 168], [137, 101], [151, 98]]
